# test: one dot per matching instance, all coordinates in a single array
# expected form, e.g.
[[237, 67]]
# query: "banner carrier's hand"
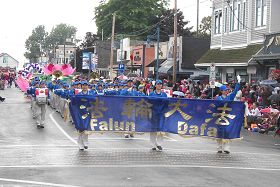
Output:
[[238, 78]]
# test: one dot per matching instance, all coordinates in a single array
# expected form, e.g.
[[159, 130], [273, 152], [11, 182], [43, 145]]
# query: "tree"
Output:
[[131, 15], [58, 36], [166, 24], [89, 40], [36, 44], [204, 30]]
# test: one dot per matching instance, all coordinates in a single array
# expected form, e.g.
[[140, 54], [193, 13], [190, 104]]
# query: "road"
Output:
[[50, 156]]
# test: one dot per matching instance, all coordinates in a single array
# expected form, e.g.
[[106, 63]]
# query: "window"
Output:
[[235, 16], [244, 15], [238, 16], [261, 13], [218, 21], [264, 11], [226, 19]]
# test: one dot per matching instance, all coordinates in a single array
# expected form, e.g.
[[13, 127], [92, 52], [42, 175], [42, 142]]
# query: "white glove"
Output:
[[238, 78]]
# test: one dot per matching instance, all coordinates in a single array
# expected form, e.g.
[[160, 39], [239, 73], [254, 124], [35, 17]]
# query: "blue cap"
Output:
[[158, 82], [42, 82], [223, 88], [84, 82]]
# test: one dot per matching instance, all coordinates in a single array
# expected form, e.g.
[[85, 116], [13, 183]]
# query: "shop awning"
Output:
[[231, 57], [266, 57], [165, 66], [154, 62]]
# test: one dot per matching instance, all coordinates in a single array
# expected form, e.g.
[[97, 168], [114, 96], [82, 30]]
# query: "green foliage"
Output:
[[60, 33], [36, 43], [89, 40], [131, 15], [204, 29], [40, 43], [166, 20]]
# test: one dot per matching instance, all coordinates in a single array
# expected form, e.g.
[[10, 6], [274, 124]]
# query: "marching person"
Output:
[[83, 134], [157, 137], [31, 92], [41, 95], [140, 91], [129, 91], [223, 144]]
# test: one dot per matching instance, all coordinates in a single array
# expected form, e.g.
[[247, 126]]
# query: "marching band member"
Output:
[[41, 95], [64, 96], [157, 137], [100, 90], [223, 145], [141, 90], [83, 135], [52, 86], [33, 97]]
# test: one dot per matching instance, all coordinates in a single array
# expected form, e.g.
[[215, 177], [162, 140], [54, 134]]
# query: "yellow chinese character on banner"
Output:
[[177, 108], [97, 108], [141, 109], [223, 116]]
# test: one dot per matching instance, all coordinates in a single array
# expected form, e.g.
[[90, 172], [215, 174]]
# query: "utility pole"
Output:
[[112, 46], [197, 18], [64, 52], [102, 33], [175, 44], [158, 32]]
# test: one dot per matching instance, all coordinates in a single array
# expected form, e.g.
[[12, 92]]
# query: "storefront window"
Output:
[[243, 74]]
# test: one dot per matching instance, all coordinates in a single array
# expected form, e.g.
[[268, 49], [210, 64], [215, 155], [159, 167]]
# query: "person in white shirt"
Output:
[[255, 111], [253, 114]]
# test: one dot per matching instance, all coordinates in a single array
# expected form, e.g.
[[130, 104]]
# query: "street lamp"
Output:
[[157, 37]]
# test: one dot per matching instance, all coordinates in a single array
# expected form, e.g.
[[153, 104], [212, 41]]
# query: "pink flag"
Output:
[[22, 83]]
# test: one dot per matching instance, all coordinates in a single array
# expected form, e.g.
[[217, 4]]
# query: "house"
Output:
[[238, 32], [8, 61], [65, 53]]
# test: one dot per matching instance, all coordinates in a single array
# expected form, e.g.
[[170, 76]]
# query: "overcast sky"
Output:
[[19, 17]]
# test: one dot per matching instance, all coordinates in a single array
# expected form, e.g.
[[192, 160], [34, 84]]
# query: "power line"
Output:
[[243, 24], [145, 30]]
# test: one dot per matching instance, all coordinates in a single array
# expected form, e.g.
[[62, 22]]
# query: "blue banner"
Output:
[[212, 118]]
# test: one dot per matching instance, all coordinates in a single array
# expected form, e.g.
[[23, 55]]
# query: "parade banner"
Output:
[[22, 83], [212, 118]]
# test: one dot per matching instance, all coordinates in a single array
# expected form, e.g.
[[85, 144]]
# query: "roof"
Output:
[[2, 54], [168, 64], [193, 50], [230, 56], [153, 63], [270, 50]]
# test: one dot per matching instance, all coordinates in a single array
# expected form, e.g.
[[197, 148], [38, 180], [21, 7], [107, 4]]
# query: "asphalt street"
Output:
[[50, 156]]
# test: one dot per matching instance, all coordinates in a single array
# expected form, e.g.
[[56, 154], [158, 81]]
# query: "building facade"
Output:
[[238, 31], [64, 54], [8, 61]]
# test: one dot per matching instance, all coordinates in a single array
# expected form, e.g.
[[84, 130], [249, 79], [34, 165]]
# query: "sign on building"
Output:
[[212, 75]]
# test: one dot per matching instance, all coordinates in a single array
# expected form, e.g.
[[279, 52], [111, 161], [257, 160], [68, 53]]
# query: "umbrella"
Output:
[[122, 77], [217, 84], [268, 82], [178, 93], [274, 97]]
